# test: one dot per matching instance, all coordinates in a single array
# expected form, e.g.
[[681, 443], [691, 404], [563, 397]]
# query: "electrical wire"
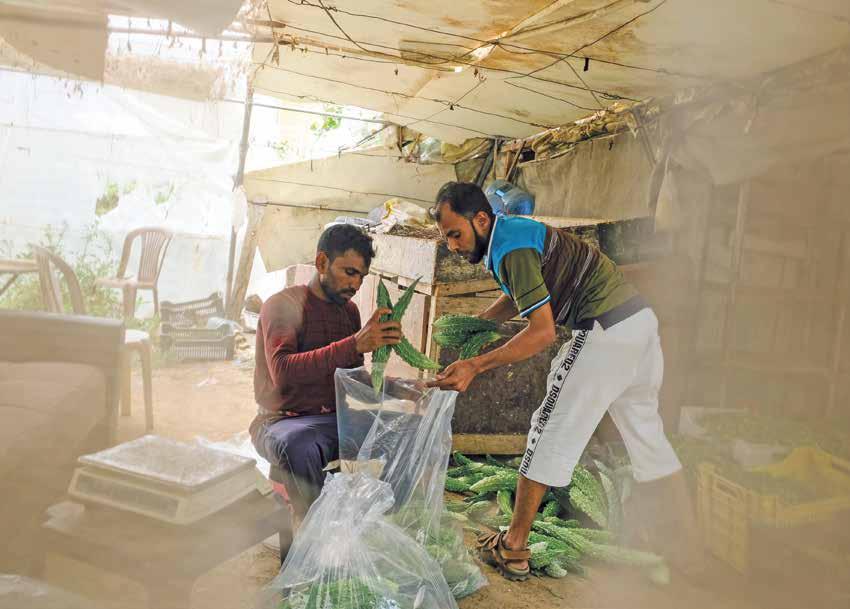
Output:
[[560, 99], [338, 189], [478, 84], [464, 63], [603, 37], [450, 105], [411, 118], [507, 46], [313, 112]]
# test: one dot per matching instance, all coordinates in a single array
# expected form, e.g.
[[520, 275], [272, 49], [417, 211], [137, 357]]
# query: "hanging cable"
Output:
[[411, 118], [560, 99], [603, 37], [449, 104], [507, 46]]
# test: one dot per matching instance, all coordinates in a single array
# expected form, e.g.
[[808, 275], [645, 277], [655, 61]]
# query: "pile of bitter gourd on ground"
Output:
[[576, 524]]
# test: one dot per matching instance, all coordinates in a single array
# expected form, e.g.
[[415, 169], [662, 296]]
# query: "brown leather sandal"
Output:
[[492, 550]]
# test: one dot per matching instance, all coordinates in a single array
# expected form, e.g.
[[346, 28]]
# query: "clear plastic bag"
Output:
[[377, 537], [405, 438], [348, 554]]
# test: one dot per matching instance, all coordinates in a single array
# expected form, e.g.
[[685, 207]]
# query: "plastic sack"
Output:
[[348, 554], [399, 211], [405, 439], [508, 199], [378, 537], [239, 444]]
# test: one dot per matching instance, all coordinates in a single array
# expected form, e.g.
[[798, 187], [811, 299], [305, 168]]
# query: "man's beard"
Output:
[[336, 297], [481, 243]]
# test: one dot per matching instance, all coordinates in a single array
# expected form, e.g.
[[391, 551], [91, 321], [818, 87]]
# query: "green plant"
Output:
[[164, 195], [282, 148], [329, 123], [108, 200], [94, 259]]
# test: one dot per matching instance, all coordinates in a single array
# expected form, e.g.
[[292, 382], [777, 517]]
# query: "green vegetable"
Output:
[[381, 355], [495, 522], [463, 323], [501, 481], [456, 485], [583, 503], [617, 555], [595, 535], [476, 342], [401, 306], [506, 502], [551, 509], [346, 592], [460, 459], [542, 555], [456, 331], [413, 356], [555, 570], [479, 508]]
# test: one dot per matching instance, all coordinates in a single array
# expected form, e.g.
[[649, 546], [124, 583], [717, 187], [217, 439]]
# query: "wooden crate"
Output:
[[493, 416]]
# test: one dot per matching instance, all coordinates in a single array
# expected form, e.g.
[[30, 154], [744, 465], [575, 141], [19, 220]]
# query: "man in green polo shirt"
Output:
[[613, 363]]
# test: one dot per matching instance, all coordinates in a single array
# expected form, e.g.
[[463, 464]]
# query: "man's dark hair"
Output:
[[463, 198], [339, 238]]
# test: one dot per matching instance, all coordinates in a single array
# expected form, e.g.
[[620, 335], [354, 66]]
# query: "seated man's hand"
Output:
[[377, 333]]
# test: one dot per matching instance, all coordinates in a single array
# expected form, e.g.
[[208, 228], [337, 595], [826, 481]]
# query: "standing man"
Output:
[[612, 364], [305, 333]]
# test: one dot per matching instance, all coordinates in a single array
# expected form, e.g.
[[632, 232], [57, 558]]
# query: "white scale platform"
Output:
[[164, 479]]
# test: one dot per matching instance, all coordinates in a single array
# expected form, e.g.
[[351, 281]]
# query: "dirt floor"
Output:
[[214, 400]]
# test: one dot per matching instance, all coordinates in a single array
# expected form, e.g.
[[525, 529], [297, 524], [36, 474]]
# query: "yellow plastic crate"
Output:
[[723, 518], [726, 509]]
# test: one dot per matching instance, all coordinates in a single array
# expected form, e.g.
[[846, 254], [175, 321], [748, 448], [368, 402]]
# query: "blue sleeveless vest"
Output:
[[511, 233]]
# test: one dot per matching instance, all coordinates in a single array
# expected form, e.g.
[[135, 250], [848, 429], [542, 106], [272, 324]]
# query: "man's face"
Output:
[[466, 237], [341, 278]]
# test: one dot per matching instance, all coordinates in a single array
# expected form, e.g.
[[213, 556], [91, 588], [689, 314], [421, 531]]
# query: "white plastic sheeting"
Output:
[[171, 162], [301, 198], [428, 64]]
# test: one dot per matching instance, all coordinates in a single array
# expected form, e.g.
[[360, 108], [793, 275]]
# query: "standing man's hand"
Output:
[[377, 333], [457, 376]]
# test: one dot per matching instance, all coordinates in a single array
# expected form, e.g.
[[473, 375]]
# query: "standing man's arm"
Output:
[[501, 310], [534, 338]]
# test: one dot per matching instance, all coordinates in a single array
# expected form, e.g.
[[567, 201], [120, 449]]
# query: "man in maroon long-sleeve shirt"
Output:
[[304, 334]]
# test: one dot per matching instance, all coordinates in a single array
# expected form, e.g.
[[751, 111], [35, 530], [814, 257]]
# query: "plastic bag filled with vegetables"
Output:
[[349, 555], [405, 438]]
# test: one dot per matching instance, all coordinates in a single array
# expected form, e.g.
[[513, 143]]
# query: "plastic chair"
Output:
[[135, 341], [154, 245]]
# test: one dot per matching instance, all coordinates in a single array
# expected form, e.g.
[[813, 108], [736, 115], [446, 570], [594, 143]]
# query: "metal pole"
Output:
[[237, 182]]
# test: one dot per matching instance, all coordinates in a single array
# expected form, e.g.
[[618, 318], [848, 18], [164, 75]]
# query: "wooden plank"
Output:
[[796, 248], [501, 401], [246, 262], [468, 287], [464, 305], [841, 305], [485, 444], [405, 256], [729, 319]]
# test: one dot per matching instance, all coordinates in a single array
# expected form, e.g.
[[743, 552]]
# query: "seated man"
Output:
[[305, 333]]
